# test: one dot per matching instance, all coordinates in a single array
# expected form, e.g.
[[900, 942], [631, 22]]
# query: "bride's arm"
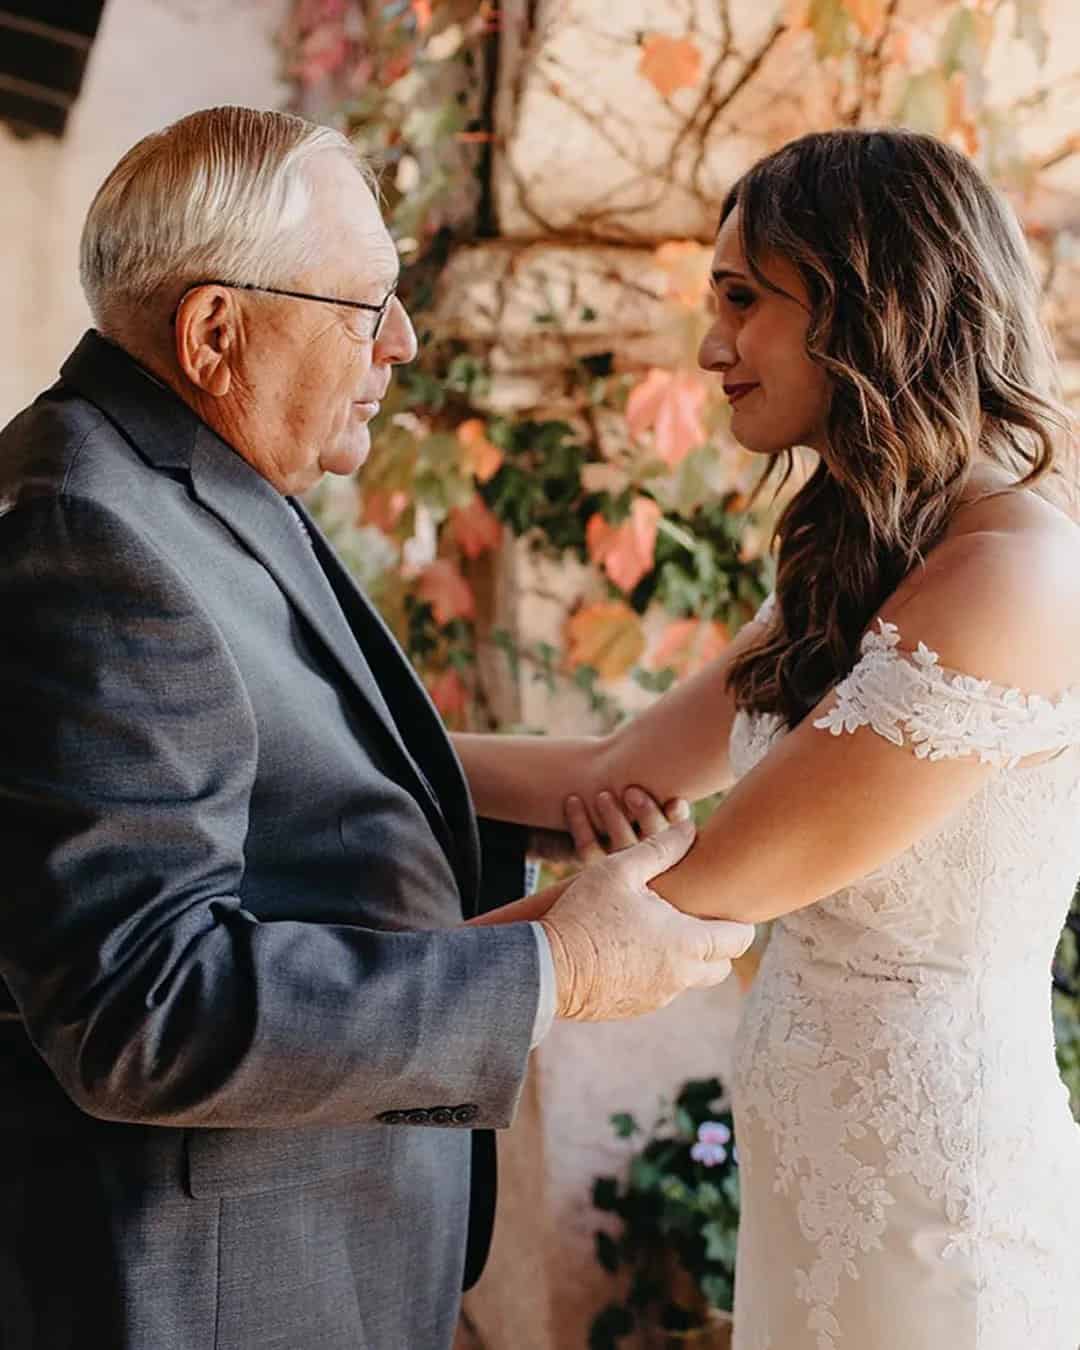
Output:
[[678, 747], [821, 810]]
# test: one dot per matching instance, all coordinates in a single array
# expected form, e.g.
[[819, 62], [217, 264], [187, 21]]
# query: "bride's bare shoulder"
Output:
[[999, 597]]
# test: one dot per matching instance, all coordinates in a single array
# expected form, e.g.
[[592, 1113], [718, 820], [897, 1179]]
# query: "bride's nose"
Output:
[[717, 351]]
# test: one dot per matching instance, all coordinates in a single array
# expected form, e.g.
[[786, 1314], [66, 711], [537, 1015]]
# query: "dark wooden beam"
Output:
[[44, 48]]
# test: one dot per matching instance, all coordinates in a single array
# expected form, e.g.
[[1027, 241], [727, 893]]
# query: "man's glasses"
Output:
[[379, 311]]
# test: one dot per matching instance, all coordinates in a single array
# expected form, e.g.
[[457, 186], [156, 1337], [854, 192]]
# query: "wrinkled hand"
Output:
[[622, 823], [619, 950]]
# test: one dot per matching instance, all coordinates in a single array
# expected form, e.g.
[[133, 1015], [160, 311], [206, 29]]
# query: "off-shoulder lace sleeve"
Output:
[[910, 699]]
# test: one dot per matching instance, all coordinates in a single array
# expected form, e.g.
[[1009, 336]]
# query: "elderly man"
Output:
[[246, 1035]]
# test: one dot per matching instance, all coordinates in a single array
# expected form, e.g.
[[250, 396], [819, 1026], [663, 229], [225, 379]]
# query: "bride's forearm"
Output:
[[527, 908], [525, 779]]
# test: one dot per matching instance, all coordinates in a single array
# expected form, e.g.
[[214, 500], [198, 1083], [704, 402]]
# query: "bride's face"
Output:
[[757, 342]]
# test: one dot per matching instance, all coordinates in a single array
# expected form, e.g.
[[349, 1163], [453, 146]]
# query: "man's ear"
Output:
[[206, 332]]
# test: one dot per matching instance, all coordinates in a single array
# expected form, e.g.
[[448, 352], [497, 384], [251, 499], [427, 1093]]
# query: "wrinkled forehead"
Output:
[[351, 235]]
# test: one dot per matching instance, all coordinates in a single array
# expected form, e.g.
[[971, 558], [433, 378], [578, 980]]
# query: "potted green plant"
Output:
[[678, 1217]]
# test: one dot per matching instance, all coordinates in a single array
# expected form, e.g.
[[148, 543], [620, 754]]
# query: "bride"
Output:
[[901, 724]]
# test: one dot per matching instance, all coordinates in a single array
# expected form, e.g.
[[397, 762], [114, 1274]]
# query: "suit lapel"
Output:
[[413, 713], [267, 526], [170, 436]]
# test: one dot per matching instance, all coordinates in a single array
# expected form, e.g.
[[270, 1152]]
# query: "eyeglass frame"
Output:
[[378, 310]]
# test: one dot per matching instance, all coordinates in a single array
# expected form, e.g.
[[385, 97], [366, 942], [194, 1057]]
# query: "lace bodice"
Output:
[[895, 1061]]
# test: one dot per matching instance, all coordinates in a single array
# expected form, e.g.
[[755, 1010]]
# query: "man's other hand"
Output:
[[620, 950]]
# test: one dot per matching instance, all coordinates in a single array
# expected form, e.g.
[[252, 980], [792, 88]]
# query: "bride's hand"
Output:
[[621, 823]]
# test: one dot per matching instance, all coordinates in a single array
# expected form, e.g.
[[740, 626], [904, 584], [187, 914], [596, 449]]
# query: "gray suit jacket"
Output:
[[243, 1035]]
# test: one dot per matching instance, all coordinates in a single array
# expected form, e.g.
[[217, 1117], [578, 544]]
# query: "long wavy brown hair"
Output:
[[924, 312]]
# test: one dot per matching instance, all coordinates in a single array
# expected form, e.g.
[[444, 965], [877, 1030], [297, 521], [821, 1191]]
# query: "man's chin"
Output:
[[349, 457]]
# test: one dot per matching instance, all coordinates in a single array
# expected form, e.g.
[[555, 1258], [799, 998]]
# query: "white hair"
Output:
[[219, 195]]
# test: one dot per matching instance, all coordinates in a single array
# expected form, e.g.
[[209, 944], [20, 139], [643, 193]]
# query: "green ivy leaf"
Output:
[[503, 640], [653, 681], [720, 1242], [709, 1197], [605, 1194], [624, 1125], [607, 1252], [719, 1290], [609, 1326], [644, 1175]]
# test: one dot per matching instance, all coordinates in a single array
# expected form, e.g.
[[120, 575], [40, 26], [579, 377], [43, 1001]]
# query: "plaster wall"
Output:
[[152, 62]]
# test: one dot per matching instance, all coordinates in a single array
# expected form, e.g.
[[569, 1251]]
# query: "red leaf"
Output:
[[323, 52], [449, 694], [670, 402], [669, 63], [447, 592], [689, 644], [627, 551], [476, 528], [384, 509]]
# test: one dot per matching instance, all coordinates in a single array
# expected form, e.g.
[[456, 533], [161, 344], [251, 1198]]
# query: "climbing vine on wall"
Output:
[[630, 472]]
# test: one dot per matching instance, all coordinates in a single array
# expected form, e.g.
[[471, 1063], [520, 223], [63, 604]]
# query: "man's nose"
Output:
[[396, 343]]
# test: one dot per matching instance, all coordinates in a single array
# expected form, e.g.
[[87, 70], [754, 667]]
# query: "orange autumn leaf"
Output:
[[869, 15], [626, 551], [447, 592], [384, 509], [689, 644], [475, 527], [669, 63], [422, 10], [670, 403], [959, 121], [479, 456], [607, 636], [449, 694]]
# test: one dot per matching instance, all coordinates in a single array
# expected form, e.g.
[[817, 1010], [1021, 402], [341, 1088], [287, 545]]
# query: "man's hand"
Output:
[[620, 950]]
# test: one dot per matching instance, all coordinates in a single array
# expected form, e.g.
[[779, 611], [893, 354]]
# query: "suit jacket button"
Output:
[[419, 1116], [465, 1115], [442, 1115], [391, 1117]]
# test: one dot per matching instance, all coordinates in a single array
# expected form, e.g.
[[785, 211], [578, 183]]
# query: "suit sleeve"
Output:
[[128, 749]]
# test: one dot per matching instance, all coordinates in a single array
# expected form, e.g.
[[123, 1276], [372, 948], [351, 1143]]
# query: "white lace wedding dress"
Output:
[[910, 1169]]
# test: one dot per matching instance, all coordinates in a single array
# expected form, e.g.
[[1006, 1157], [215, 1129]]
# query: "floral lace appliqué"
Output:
[[908, 697], [908, 1141]]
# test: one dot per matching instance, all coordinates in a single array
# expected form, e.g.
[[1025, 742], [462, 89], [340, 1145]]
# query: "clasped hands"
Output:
[[619, 949]]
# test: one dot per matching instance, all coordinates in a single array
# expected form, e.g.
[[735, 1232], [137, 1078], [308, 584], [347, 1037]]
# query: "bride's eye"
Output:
[[739, 296]]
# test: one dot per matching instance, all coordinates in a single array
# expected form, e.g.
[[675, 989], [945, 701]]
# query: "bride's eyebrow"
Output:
[[721, 274]]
